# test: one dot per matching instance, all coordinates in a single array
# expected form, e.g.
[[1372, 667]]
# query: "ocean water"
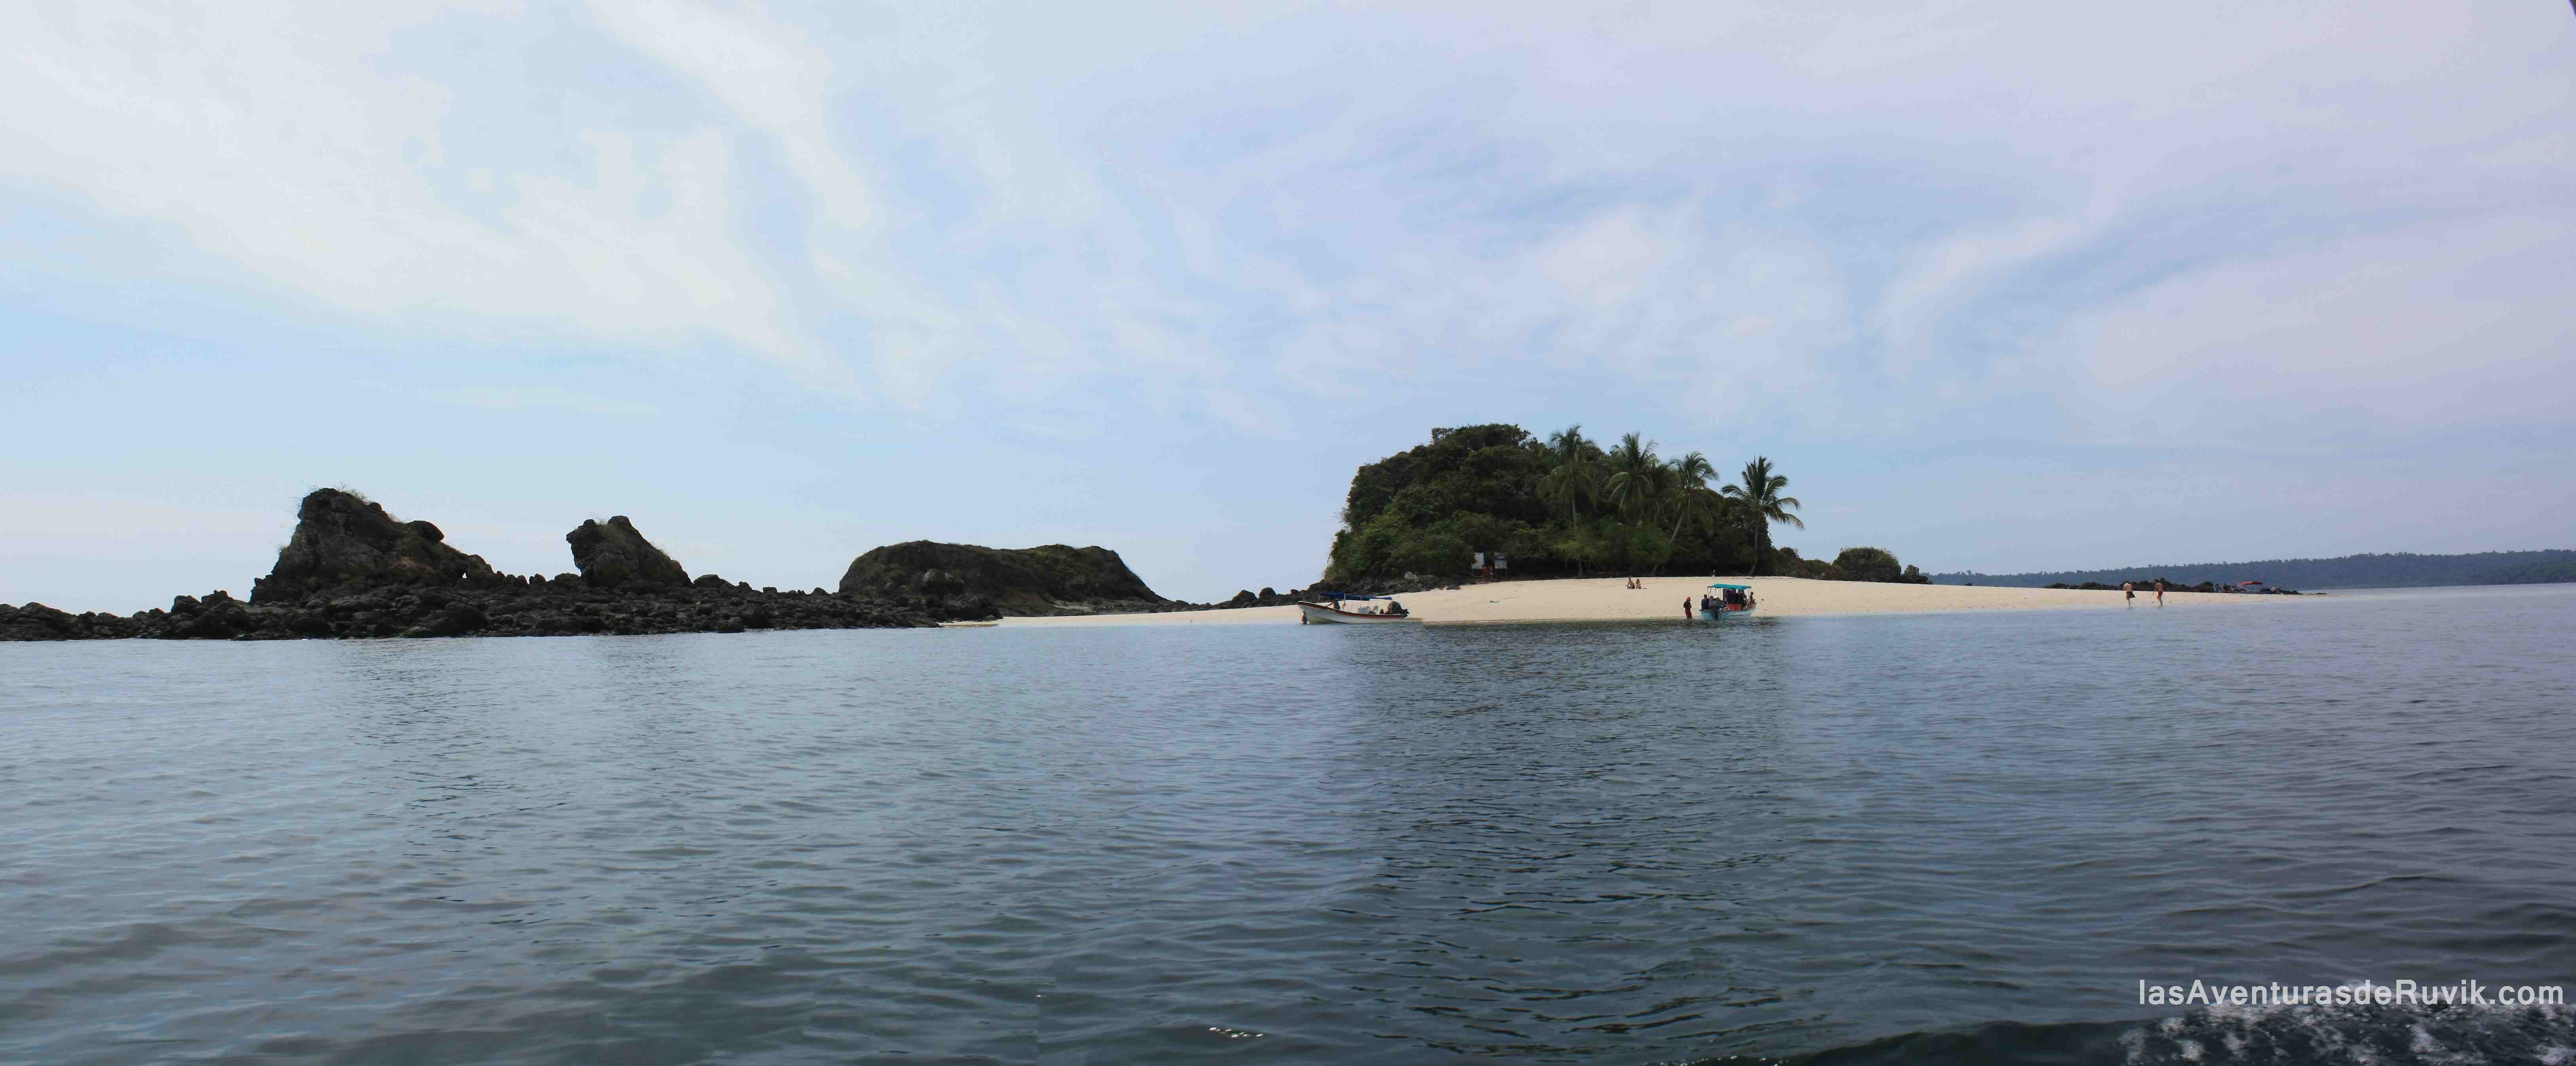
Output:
[[1893, 839]]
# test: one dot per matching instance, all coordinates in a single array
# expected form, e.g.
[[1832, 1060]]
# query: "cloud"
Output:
[[2387, 334], [1850, 222]]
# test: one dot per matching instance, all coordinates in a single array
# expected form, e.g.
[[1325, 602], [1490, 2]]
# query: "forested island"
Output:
[[1568, 506], [2370, 571]]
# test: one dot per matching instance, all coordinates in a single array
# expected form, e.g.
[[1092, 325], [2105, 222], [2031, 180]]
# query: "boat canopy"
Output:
[[1739, 588], [1351, 596]]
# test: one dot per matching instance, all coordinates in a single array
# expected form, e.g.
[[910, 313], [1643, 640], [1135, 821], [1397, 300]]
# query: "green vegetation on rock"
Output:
[[969, 580], [1568, 507]]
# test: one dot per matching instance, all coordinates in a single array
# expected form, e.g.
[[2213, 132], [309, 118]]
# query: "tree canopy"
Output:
[[1563, 506]]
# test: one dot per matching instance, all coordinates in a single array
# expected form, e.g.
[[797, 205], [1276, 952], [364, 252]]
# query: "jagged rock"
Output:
[[341, 537], [1050, 580], [613, 555], [352, 571]]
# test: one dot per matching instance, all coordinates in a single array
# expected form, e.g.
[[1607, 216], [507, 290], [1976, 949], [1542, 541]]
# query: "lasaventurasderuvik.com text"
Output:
[[2396, 993]]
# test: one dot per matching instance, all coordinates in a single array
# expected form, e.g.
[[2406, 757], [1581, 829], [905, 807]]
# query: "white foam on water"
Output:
[[2358, 1035]]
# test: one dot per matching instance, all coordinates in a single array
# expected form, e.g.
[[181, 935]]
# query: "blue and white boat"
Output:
[[1726, 600]]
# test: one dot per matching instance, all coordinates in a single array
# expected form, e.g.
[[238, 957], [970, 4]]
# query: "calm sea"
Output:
[[1896, 839]]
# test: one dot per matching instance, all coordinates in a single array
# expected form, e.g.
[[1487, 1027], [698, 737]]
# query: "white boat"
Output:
[[1336, 611]]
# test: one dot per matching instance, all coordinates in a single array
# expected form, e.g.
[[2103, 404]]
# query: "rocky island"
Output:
[[1027, 582], [352, 570]]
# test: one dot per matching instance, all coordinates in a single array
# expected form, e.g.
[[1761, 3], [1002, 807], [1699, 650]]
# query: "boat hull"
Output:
[[1325, 614], [1712, 614]]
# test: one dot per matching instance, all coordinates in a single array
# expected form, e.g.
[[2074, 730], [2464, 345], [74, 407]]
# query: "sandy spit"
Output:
[[1610, 600]]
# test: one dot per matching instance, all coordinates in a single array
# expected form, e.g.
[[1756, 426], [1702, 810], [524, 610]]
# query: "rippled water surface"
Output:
[[1935, 838]]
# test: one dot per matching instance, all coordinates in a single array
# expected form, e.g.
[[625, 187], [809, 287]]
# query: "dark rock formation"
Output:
[[36, 621], [342, 537], [1392, 586], [964, 581], [550, 609], [1268, 597], [614, 555], [351, 570]]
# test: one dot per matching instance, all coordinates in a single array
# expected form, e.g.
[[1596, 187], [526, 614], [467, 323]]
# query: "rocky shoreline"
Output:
[[552, 608], [353, 571], [1272, 598]]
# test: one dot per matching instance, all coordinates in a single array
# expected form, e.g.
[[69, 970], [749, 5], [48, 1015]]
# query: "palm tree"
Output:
[[1760, 495], [1637, 477], [1574, 473], [1692, 501], [1573, 477]]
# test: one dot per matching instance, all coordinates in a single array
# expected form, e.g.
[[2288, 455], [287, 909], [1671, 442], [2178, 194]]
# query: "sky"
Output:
[[2000, 286]]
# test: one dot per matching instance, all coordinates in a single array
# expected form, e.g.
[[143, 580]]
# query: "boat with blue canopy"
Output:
[[1724, 599]]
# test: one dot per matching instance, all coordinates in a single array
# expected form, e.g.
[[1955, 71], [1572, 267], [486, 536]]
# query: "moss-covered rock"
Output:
[[955, 578]]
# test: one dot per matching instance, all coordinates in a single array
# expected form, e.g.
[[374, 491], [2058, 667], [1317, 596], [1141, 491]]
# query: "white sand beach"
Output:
[[1609, 599]]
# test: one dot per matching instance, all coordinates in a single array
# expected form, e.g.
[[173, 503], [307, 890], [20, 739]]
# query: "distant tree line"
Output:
[[2205, 586], [2400, 570], [1568, 506]]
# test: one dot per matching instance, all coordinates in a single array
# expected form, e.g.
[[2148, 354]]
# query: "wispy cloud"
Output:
[[917, 209]]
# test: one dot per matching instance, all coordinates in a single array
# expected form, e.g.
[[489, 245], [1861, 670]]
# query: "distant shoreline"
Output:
[[1608, 599], [2396, 570]]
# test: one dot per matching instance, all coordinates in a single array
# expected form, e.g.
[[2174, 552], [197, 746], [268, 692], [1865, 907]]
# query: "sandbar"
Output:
[[1608, 599]]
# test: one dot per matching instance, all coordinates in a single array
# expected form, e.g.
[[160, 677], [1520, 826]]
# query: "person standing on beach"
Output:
[[2129, 592], [2160, 592], [1685, 608]]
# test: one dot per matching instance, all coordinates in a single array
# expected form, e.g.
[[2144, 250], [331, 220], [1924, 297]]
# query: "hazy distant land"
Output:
[[2395, 571]]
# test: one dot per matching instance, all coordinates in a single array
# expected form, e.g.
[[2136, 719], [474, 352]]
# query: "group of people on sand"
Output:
[[2129, 592]]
